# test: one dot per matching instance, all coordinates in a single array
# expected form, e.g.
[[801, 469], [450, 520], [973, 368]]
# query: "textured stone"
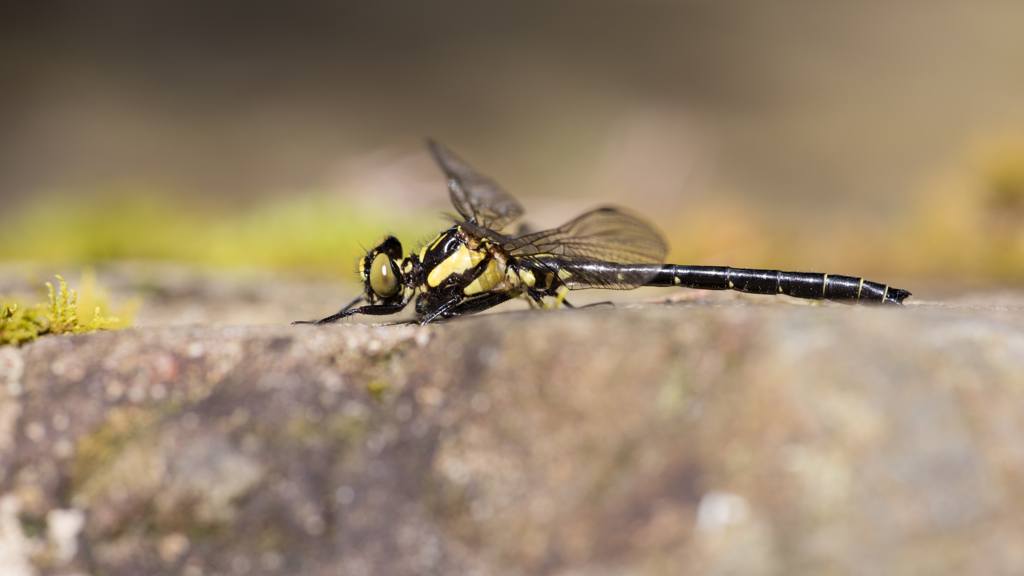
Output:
[[712, 436]]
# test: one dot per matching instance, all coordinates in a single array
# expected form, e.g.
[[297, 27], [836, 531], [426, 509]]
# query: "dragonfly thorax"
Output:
[[457, 260]]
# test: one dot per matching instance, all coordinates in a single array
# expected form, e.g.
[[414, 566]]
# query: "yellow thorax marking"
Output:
[[491, 276], [548, 279], [461, 260], [438, 241], [528, 278], [516, 278], [512, 277], [426, 247]]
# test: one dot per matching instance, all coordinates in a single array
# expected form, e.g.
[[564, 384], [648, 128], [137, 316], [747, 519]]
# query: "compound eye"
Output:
[[382, 276]]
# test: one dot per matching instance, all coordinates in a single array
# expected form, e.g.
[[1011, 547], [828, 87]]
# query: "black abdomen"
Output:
[[810, 285]]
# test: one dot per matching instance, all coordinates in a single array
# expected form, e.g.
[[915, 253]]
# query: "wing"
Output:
[[475, 196], [606, 234], [606, 248]]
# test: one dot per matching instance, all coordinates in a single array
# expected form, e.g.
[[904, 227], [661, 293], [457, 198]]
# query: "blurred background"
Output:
[[883, 139]]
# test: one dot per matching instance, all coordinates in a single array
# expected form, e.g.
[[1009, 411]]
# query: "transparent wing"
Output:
[[606, 248], [478, 198], [606, 234]]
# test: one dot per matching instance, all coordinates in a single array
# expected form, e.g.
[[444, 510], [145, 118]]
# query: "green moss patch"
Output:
[[57, 316]]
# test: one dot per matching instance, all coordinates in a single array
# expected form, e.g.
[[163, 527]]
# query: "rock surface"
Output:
[[704, 437]]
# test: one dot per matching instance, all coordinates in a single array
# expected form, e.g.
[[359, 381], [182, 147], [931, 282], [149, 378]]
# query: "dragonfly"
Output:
[[473, 266]]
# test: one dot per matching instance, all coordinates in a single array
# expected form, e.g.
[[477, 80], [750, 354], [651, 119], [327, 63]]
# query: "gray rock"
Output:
[[710, 437]]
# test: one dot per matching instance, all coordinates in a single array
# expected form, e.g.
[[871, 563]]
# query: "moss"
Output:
[[57, 316]]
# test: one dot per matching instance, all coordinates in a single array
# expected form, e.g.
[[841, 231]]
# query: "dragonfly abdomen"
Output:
[[810, 285]]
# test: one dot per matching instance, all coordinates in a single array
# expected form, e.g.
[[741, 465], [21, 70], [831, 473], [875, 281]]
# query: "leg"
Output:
[[558, 293], [333, 317], [464, 307], [373, 310]]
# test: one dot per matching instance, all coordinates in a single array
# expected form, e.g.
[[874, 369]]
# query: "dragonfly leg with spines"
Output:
[[337, 316], [809, 285], [454, 308], [373, 310]]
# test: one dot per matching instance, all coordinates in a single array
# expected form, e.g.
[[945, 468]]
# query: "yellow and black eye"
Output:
[[383, 279]]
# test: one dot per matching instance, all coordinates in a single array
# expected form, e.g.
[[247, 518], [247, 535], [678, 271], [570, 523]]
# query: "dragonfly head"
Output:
[[382, 276]]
